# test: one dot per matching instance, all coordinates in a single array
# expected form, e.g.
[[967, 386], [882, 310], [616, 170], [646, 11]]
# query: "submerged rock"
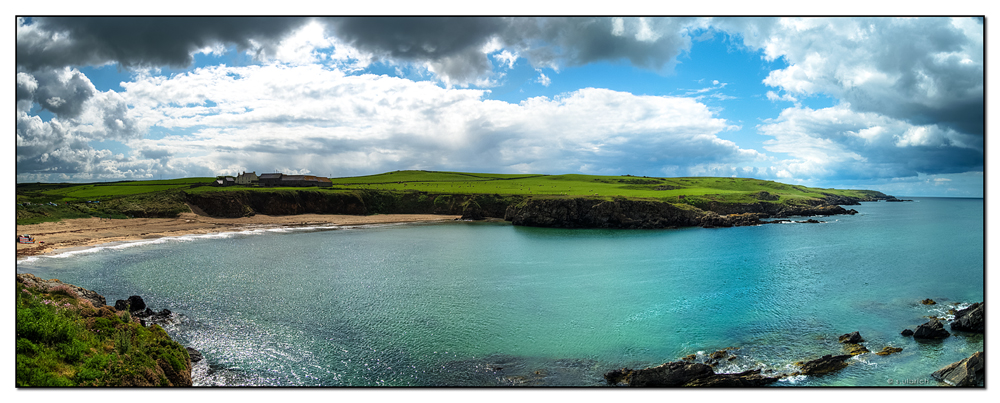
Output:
[[931, 330], [968, 372], [971, 319], [853, 338], [855, 349], [906, 332], [889, 350], [824, 365], [928, 301]]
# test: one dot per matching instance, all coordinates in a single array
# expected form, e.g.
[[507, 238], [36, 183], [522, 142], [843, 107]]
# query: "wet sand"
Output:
[[83, 232]]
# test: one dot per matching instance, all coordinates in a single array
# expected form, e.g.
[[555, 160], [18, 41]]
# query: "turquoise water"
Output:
[[485, 304]]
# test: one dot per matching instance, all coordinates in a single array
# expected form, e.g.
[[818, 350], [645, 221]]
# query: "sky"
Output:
[[889, 104]]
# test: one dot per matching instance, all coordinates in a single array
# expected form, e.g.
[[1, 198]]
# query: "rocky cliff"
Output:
[[520, 210]]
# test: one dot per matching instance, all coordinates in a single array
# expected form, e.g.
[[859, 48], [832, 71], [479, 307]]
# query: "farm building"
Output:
[[247, 179], [283, 180], [225, 181]]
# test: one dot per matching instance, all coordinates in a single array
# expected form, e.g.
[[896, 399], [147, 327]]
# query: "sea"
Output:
[[487, 304]]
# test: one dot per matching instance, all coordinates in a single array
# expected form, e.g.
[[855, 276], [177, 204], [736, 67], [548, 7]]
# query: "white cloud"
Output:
[[920, 70], [264, 117], [839, 143], [543, 79]]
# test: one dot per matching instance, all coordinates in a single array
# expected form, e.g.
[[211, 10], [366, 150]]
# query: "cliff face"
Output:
[[629, 214], [233, 204], [520, 210]]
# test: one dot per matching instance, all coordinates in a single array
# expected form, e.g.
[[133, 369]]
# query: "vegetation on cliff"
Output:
[[65, 340], [471, 194]]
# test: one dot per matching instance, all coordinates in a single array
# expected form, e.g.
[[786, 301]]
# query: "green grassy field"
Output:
[[572, 185], [159, 198]]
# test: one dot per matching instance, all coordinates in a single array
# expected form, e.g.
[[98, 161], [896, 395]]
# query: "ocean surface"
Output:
[[491, 304]]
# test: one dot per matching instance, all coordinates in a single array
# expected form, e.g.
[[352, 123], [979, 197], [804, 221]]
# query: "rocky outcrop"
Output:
[[137, 309], [889, 350], [680, 373], [968, 372], [853, 338], [931, 330], [31, 281], [971, 319], [194, 354], [928, 301], [593, 213], [744, 379], [824, 365], [906, 332], [675, 373]]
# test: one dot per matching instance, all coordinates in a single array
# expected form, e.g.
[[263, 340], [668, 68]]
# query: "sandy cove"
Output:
[[83, 232]]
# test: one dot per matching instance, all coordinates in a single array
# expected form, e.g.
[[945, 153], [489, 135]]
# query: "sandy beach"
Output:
[[83, 232]]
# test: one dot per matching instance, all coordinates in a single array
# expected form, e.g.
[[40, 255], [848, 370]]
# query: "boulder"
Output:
[[194, 354], [889, 350], [971, 319], [853, 338], [826, 364], [133, 304], [968, 372], [675, 373], [928, 301], [931, 330], [906, 332]]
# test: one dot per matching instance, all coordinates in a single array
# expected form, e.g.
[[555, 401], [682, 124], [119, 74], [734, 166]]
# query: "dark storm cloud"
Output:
[[651, 43], [141, 41], [454, 44], [63, 92]]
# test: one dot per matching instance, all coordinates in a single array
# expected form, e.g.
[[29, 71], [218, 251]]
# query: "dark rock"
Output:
[[133, 304], [824, 365], [931, 330], [194, 354], [906, 332], [675, 373], [741, 380], [811, 221], [852, 338], [889, 350], [928, 301], [968, 372], [971, 319]]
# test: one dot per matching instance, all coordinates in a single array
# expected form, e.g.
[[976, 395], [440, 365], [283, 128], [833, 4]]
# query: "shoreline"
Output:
[[80, 233]]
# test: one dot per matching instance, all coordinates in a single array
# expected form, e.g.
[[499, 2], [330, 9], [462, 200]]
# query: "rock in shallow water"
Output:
[[968, 372], [906, 332], [825, 364], [853, 338], [931, 330], [971, 319]]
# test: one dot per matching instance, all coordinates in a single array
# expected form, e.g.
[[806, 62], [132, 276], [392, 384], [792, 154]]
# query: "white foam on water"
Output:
[[192, 237]]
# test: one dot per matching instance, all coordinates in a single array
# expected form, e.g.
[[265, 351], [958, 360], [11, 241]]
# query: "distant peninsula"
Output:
[[561, 201]]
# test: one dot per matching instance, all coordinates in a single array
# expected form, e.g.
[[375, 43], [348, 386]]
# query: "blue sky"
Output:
[[879, 103]]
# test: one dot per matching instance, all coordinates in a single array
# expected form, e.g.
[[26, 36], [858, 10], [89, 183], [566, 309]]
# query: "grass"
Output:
[[65, 341], [573, 185], [165, 198]]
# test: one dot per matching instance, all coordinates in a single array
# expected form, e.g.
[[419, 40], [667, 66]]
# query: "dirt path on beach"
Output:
[[80, 232]]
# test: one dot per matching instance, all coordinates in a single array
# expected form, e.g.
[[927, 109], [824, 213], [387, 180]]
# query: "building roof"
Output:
[[270, 176]]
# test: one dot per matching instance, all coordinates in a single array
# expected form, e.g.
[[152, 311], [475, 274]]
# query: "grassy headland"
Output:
[[65, 340], [405, 192]]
